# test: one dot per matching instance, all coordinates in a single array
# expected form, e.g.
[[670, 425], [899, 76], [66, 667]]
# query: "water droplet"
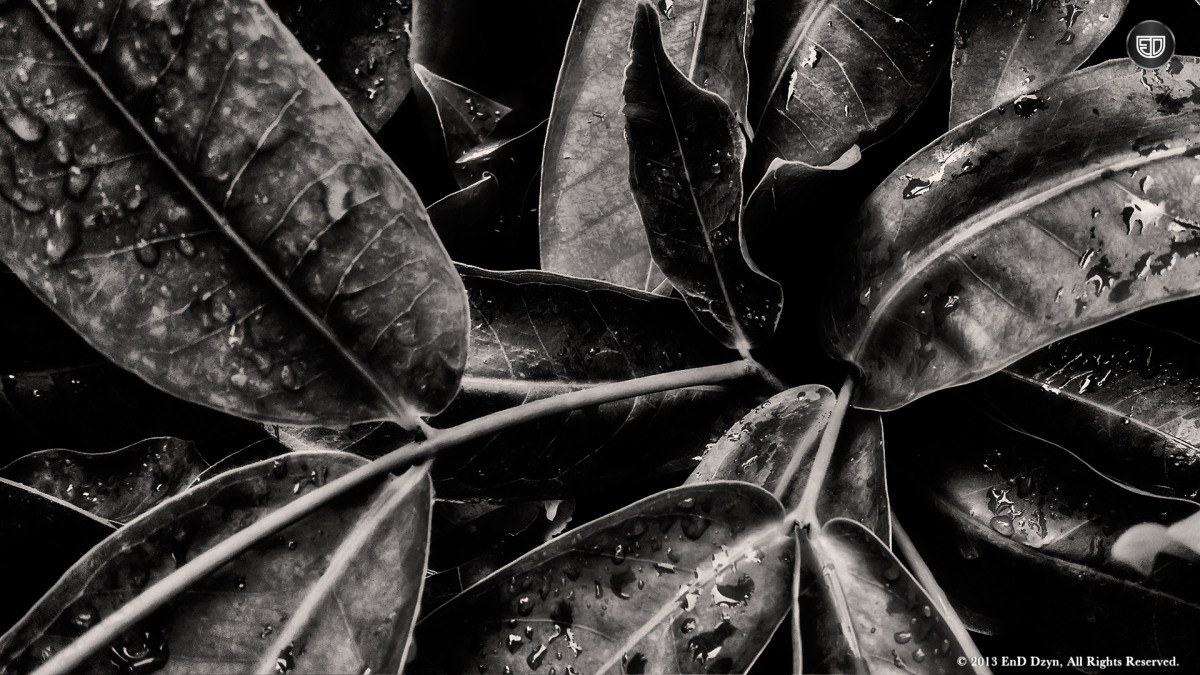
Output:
[[78, 181], [140, 651], [534, 660], [1027, 105], [147, 253], [1068, 37], [513, 642], [618, 556], [83, 616], [23, 124], [903, 636], [285, 661], [187, 247], [63, 237], [289, 378], [915, 188], [919, 655], [1003, 525], [891, 573], [525, 605], [62, 151]]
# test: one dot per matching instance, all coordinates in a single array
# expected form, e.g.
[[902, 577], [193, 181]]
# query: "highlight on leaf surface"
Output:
[[1139, 546], [685, 159], [1016, 230], [228, 619], [231, 234], [586, 594]]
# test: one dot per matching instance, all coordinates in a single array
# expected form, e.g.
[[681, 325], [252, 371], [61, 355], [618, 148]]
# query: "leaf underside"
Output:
[[226, 620], [582, 595], [1012, 47], [1015, 230], [129, 250], [685, 158]]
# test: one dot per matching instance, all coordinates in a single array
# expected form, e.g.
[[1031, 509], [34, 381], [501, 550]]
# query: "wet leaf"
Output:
[[536, 334], [1023, 533], [774, 446], [685, 159], [362, 48], [1016, 230], [42, 537], [829, 74], [57, 392], [127, 241], [118, 485], [589, 224], [228, 619], [460, 119], [463, 553], [719, 61], [1006, 48], [863, 612], [1122, 397], [584, 594]]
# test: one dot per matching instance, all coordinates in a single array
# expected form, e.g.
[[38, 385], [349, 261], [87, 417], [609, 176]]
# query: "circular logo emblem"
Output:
[[1150, 45]]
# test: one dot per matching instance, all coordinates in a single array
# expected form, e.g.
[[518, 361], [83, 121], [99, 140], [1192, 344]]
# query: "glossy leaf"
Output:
[[536, 334], [589, 225], [584, 594], [1026, 534], [719, 62], [829, 74], [685, 158], [227, 619], [461, 119], [238, 239], [118, 485], [463, 553], [1004, 49], [863, 612], [1016, 230], [43, 536], [1122, 397], [362, 48]]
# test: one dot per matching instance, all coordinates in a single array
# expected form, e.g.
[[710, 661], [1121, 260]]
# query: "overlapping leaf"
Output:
[[333, 302], [685, 158], [829, 74], [589, 225], [1006, 48], [575, 602], [1122, 397], [460, 119], [536, 334], [1076, 207], [43, 536], [117, 485], [227, 620], [362, 48], [1033, 531]]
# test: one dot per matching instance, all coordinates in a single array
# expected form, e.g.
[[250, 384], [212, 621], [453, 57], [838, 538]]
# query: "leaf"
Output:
[[829, 74], [56, 391], [225, 621], [241, 242], [1120, 396], [1023, 533], [462, 554], [719, 62], [118, 485], [536, 334], [363, 51], [953, 267], [43, 536], [685, 158], [464, 119], [589, 224], [264, 448], [863, 611], [584, 594], [1005, 49], [1140, 545]]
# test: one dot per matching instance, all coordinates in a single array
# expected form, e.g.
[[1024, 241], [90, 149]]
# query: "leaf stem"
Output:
[[806, 510], [162, 592], [924, 575]]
